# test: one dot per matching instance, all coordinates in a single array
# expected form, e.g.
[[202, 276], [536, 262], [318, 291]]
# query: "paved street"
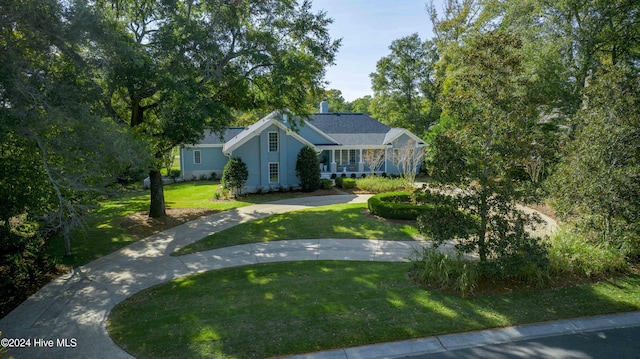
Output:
[[619, 343]]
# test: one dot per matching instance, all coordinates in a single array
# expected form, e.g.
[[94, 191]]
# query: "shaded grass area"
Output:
[[103, 234], [334, 221], [296, 307]]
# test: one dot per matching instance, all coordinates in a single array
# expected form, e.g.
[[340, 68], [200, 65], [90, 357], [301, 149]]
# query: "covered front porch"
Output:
[[348, 160]]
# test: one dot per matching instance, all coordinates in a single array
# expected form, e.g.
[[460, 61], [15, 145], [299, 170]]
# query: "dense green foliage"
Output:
[[487, 144], [574, 255], [308, 169], [235, 175], [58, 154], [404, 87], [597, 183]]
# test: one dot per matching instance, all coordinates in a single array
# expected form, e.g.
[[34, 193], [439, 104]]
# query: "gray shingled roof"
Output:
[[212, 138], [344, 123]]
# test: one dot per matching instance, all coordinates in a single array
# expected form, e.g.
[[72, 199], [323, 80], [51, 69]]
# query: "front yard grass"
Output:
[[334, 221], [103, 233], [296, 307]]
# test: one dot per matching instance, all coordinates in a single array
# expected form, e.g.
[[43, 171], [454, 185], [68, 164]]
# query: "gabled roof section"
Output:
[[331, 140], [344, 123], [394, 133], [215, 139], [271, 119]]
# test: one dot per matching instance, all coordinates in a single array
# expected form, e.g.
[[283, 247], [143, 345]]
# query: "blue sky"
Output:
[[367, 28]]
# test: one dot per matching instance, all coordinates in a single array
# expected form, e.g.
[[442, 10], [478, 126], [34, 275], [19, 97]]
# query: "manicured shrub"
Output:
[[308, 169], [333, 176], [345, 182], [353, 175], [348, 183], [235, 175], [327, 184], [394, 205]]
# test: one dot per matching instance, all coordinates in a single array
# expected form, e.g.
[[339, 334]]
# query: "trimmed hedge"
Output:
[[345, 182], [327, 183], [394, 205]]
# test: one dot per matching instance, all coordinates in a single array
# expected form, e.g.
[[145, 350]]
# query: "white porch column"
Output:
[[334, 166], [385, 160], [360, 163]]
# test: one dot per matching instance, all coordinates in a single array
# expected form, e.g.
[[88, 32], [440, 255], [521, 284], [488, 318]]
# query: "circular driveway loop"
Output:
[[67, 317]]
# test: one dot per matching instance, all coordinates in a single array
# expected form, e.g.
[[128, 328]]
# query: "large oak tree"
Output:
[[175, 69]]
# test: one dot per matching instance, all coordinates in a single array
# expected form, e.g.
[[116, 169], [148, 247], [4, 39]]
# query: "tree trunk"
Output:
[[482, 236], [157, 208]]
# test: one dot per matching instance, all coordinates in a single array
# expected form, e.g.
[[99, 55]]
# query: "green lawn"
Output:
[[287, 308], [335, 221], [102, 233]]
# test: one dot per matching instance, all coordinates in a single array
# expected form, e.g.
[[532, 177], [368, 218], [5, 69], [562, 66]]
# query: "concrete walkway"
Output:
[[67, 317]]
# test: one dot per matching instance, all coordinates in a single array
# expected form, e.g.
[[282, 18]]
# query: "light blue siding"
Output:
[[255, 153], [211, 160], [251, 155], [399, 143]]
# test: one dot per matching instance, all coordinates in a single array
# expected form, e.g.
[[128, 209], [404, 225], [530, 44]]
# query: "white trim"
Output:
[[277, 141], [199, 162], [182, 153], [403, 131], [209, 145], [257, 128], [354, 147]]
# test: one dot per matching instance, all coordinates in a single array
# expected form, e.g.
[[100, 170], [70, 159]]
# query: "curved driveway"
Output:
[[67, 317], [75, 307]]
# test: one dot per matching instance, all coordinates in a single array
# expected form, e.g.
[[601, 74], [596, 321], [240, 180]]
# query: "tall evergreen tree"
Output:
[[483, 150]]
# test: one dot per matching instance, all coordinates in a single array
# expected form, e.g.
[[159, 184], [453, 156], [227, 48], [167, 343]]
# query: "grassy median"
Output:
[[334, 221]]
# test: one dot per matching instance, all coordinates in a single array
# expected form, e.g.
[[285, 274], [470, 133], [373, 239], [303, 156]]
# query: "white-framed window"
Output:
[[396, 156], [274, 172], [197, 157], [346, 157], [273, 141]]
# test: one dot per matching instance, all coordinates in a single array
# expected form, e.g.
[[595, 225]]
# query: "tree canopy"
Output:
[[404, 86], [56, 148], [172, 70]]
